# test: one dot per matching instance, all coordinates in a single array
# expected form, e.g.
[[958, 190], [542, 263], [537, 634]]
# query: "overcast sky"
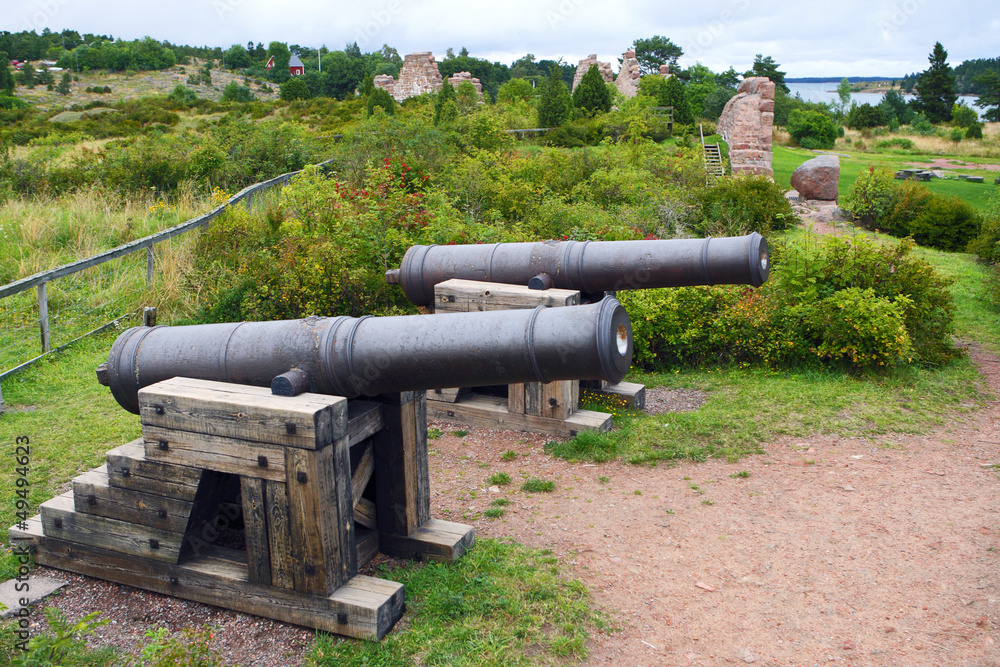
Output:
[[838, 38]]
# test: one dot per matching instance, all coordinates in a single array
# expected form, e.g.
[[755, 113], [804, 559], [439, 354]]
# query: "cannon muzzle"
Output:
[[593, 267], [350, 357]]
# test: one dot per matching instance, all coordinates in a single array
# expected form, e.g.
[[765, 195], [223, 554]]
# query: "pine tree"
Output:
[[26, 77], [556, 104], [674, 95], [63, 87], [592, 95], [989, 99], [6, 78], [443, 111], [935, 87]]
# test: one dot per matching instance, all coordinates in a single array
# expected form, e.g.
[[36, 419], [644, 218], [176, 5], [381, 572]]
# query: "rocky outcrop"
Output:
[[627, 82], [818, 178], [746, 125], [418, 75], [461, 77], [581, 69], [664, 70]]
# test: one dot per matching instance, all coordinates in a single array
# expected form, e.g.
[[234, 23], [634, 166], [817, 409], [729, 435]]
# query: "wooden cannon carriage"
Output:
[[269, 501], [316, 484]]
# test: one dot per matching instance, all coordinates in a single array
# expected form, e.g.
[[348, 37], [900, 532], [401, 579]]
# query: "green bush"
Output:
[[812, 129], [744, 204], [945, 222], [865, 115], [234, 92], [294, 89], [792, 319], [871, 196], [974, 131], [896, 142], [861, 330], [986, 245], [382, 99]]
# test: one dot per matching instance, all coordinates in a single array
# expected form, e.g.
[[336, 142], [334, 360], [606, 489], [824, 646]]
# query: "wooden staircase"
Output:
[[714, 166]]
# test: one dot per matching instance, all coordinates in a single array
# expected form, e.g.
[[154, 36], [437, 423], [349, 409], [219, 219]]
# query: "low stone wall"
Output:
[[746, 125], [461, 77]]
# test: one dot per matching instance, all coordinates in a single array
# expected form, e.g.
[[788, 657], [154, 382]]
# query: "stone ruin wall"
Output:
[[418, 75], [746, 125], [627, 82], [461, 77], [585, 64]]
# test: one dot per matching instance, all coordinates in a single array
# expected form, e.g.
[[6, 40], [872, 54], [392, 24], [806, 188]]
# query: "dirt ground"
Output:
[[825, 550]]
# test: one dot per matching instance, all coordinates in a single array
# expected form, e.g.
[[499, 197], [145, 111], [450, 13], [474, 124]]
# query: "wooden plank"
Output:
[[213, 452], [367, 541], [450, 395], [365, 607], [60, 520], [279, 534], [631, 394], [217, 505], [402, 482], [559, 399], [321, 511], [435, 540], [253, 495], [533, 398], [363, 473], [364, 419], [309, 421], [128, 469], [29, 533], [515, 398], [93, 494], [459, 296], [364, 514], [491, 412]]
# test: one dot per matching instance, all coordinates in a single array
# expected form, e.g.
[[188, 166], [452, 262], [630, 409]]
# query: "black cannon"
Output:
[[593, 267], [350, 357]]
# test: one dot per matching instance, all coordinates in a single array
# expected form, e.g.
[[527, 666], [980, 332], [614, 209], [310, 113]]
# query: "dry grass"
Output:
[[139, 84], [863, 141]]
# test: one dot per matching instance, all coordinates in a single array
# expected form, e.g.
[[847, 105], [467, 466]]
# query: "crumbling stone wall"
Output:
[[461, 77], [418, 75], [585, 64], [746, 124], [627, 82]]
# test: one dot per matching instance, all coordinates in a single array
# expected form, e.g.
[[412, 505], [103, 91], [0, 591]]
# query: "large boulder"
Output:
[[818, 178]]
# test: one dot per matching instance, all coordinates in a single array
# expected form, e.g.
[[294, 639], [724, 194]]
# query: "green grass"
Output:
[[748, 408], [536, 485], [70, 420], [787, 159], [500, 604], [499, 479]]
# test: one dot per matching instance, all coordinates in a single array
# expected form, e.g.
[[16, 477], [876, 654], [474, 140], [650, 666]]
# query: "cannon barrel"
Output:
[[346, 356], [592, 267]]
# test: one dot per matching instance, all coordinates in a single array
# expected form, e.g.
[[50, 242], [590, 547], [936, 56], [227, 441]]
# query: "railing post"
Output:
[[149, 264], [43, 315]]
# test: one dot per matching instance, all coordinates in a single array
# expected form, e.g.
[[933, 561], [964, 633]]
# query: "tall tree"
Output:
[[655, 51], [935, 88], [592, 95], [556, 104], [989, 99], [445, 104], [6, 78], [767, 67], [281, 55], [26, 77], [844, 93]]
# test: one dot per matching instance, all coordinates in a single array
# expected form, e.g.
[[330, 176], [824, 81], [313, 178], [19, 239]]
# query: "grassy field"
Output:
[[787, 159], [125, 86]]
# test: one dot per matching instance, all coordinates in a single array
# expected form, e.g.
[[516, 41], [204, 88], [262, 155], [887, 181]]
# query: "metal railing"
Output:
[[40, 281]]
